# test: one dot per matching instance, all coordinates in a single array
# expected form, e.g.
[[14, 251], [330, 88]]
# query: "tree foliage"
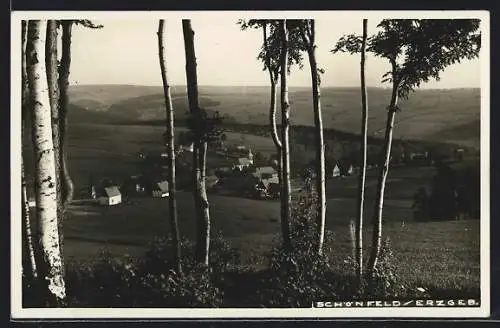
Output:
[[296, 45], [420, 48]]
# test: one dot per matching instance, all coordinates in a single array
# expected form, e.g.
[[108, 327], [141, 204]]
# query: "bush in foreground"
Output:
[[151, 281]]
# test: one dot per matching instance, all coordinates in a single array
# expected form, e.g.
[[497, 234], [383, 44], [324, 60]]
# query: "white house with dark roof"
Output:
[[242, 162], [110, 196], [264, 170], [336, 171], [160, 189]]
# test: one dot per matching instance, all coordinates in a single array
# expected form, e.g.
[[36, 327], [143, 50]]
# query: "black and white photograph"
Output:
[[250, 164]]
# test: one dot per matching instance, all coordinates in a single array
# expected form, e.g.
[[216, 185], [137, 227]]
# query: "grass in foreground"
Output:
[[422, 260]]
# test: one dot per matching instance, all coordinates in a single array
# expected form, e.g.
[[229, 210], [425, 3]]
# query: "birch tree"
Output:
[[29, 260], [170, 141], [199, 149], [363, 153], [308, 33], [270, 55], [51, 269], [285, 123], [67, 187], [417, 50], [51, 63]]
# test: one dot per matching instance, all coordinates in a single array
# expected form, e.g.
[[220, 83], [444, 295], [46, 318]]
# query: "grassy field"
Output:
[[434, 253]]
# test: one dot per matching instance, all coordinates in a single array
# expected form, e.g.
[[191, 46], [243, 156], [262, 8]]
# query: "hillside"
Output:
[[435, 115]]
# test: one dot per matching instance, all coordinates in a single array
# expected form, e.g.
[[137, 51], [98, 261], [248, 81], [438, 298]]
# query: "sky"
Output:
[[126, 52]]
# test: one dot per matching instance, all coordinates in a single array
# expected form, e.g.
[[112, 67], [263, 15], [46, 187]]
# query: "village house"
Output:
[[336, 171], [110, 196], [264, 170], [159, 189], [242, 163], [267, 180], [342, 168]]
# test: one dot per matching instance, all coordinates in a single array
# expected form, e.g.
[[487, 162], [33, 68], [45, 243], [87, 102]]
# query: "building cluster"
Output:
[[246, 177], [109, 193], [241, 175]]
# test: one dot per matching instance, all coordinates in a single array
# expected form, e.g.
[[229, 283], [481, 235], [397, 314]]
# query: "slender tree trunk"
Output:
[[285, 124], [67, 188], [205, 222], [320, 148], [273, 78], [285, 224], [384, 170], [29, 260], [200, 149], [174, 224], [362, 173], [52, 79], [45, 188]]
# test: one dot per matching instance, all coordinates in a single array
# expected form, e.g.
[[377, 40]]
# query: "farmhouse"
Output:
[[342, 168], [336, 171], [242, 163], [265, 183], [110, 196], [160, 189], [262, 171]]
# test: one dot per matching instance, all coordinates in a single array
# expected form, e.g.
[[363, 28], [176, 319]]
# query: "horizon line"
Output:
[[259, 86]]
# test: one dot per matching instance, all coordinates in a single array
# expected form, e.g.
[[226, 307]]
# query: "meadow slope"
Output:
[[425, 115]]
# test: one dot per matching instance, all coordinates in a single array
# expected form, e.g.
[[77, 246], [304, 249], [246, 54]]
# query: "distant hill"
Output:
[[445, 115]]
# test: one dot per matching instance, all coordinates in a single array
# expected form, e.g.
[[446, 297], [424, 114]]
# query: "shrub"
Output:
[[103, 282], [300, 275], [151, 281], [384, 282]]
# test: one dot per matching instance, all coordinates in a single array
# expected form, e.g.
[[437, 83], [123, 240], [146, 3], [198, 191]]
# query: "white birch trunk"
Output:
[[362, 173], [27, 231], [273, 79], [174, 225], [45, 180], [320, 149], [285, 124], [199, 151], [384, 170]]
